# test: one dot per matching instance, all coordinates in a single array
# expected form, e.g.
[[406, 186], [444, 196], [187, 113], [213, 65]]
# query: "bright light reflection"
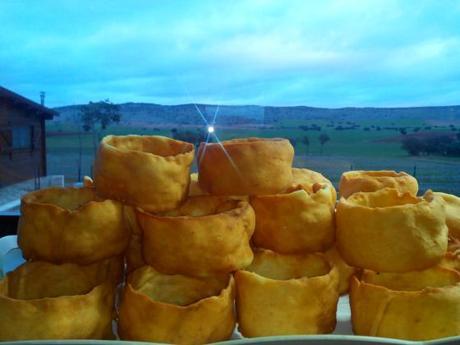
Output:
[[211, 131]]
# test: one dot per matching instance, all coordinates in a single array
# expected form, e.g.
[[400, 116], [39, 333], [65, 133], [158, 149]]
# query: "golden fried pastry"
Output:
[[134, 258], [295, 222], [71, 225], [371, 181], [345, 271], [152, 172], [452, 204], [452, 258], [453, 245], [195, 188], [286, 294], [40, 300], [306, 179], [389, 231], [176, 309], [207, 235], [417, 305], [251, 166], [133, 253]]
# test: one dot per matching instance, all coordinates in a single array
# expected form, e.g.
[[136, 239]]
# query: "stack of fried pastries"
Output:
[[249, 240], [73, 242], [406, 246], [248, 213]]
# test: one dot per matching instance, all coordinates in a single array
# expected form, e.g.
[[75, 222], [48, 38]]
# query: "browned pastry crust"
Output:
[[152, 172], [40, 300], [345, 271], [452, 204], [371, 181], [307, 179], [207, 235], [286, 294], [251, 166], [418, 305], [295, 222], [176, 309], [389, 231], [71, 225]]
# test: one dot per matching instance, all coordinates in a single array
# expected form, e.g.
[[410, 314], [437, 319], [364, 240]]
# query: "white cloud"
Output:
[[273, 52]]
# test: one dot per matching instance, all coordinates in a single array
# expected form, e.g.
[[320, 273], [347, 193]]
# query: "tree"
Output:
[[413, 146], [323, 139], [444, 145], [306, 142], [96, 116]]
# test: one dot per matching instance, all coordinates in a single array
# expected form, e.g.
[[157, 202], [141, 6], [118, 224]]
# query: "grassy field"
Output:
[[347, 149]]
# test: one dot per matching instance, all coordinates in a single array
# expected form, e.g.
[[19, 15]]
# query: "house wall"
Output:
[[23, 163]]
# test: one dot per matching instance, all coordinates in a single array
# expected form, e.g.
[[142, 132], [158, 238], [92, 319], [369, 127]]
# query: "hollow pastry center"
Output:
[[383, 199], [41, 280], [384, 173], [301, 191], [155, 145], [70, 199], [175, 289], [413, 281], [203, 206], [288, 267]]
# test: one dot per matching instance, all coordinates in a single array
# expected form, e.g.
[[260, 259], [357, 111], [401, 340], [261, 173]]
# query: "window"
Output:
[[22, 137], [5, 140]]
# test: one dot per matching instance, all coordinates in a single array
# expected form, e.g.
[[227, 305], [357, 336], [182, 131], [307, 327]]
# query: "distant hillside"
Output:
[[447, 113], [140, 114], [184, 114]]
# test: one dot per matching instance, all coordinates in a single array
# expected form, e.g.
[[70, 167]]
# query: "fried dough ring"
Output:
[[207, 235], [371, 181], [286, 294], [40, 300], [345, 271], [71, 225], [306, 179], [152, 172], [418, 305], [295, 222], [452, 204], [250, 166], [388, 231], [452, 258], [176, 309], [133, 253]]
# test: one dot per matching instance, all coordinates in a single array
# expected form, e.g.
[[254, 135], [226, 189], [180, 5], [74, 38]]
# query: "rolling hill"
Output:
[[145, 114]]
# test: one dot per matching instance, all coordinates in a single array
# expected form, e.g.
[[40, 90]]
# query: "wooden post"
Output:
[[43, 147]]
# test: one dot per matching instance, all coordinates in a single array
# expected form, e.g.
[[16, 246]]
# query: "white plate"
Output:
[[10, 254]]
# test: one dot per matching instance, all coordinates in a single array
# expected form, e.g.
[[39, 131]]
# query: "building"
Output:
[[22, 138]]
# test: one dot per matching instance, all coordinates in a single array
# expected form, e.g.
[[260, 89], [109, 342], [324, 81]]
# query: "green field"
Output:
[[347, 149]]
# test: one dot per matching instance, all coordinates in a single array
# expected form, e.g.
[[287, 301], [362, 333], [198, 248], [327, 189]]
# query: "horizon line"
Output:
[[271, 106]]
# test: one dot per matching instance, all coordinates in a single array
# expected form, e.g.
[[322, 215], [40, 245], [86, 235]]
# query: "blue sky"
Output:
[[317, 53]]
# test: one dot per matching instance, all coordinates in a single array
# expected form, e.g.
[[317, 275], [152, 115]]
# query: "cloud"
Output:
[[332, 53]]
